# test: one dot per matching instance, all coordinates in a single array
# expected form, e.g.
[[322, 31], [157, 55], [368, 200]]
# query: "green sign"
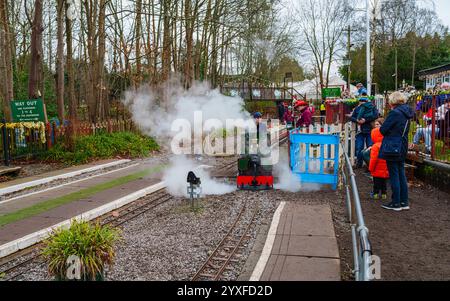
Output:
[[331, 92], [28, 110]]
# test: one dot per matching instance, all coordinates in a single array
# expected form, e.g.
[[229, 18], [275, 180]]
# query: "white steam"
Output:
[[287, 180], [176, 178], [154, 109]]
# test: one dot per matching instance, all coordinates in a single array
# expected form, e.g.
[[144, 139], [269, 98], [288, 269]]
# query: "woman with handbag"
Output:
[[395, 148]]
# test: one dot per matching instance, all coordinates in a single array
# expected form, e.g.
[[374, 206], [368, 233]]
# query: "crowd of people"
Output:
[[382, 144], [299, 115], [425, 127]]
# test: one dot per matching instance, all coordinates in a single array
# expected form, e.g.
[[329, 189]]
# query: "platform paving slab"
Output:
[[297, 268], [305, 246]]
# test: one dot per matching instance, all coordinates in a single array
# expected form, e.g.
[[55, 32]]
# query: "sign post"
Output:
[[28, 110], [331, 92]]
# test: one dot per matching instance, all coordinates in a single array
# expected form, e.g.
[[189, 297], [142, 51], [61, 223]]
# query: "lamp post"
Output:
[[348, 62], [369, 79]]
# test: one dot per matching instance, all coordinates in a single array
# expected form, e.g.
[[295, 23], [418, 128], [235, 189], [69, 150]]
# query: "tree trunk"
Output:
[[188, 70], [167, 41], [60, 61], [35, 76], [6, 59], [102, 104], [69, 66], [138, 77]]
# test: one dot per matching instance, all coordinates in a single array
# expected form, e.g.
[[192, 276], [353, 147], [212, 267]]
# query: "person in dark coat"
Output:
[[363, 138], [397, 124], [281, 111]]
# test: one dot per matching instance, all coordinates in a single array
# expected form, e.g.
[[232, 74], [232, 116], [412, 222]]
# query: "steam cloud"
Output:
[[287, 180], [176, 175], [155, 118]]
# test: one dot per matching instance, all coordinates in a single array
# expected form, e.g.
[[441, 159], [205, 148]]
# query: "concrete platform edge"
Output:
[[34, 238], [23, 186]]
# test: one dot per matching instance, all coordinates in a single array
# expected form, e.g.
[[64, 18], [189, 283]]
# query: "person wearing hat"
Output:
[[361, 89], [367, 109], [364, 121], [258, 120], [305, 114]]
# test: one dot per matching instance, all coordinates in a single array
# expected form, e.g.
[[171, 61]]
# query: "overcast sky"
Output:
[[443, 10]]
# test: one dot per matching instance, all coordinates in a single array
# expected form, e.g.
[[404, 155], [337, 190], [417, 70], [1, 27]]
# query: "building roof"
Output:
[[433, 70]]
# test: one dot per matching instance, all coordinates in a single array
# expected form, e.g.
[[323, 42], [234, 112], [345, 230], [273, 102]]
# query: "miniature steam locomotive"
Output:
[[253, 175]]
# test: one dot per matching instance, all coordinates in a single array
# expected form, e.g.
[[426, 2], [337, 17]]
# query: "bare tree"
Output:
[[321, 24]]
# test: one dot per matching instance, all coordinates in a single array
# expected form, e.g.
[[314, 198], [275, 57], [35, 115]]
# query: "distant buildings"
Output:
[[435, 76]]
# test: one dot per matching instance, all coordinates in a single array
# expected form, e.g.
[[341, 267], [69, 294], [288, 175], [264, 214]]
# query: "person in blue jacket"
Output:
[[361, 89], [363, 137], [397, 124]]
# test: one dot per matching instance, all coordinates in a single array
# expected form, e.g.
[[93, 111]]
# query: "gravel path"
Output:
[[172, 242], [413, 245]]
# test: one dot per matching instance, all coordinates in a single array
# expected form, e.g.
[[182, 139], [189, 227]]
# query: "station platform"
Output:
[[301, 245], [57, 173], [24, 215]]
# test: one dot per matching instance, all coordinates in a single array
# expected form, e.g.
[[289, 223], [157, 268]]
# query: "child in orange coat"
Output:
[[378, 167]]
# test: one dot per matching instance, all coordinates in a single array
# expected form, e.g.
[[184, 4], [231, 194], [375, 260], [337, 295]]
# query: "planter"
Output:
[[91, 246]]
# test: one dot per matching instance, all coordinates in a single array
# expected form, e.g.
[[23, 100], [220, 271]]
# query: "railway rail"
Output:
[[227, 252], [13, 266]]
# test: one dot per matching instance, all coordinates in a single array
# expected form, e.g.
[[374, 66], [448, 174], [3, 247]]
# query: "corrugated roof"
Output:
[[444, 67]]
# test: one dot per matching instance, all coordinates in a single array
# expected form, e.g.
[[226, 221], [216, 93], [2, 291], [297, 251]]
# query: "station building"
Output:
[[435, 75]]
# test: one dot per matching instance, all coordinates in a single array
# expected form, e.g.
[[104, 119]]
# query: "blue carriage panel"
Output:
[[305, 166]]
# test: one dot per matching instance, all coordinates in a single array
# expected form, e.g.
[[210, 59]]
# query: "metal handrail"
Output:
[[362, 250]]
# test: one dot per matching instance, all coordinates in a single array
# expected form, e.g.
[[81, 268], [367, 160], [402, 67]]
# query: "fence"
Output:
[[21, 140], [430, 129], [315, 157], [362, 250], [81, 129], [343, 148], [26, 140]]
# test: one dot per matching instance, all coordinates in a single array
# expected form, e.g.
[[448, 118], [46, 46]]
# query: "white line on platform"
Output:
[[66, 184], [34, 238], [267, 251], [23, 186]]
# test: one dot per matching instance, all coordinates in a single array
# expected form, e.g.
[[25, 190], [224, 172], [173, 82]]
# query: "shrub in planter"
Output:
[[92, 245]]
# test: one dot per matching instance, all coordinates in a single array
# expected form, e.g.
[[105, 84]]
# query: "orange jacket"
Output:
[[378, 167]]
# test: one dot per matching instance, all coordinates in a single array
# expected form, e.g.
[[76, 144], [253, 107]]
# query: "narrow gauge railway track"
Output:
[[227, 252], [11, 266], [14, 266]]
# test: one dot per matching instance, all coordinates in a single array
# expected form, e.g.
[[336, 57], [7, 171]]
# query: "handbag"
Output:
[[393, 146]]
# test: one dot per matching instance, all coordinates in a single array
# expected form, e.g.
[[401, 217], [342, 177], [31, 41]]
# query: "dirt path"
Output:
[[415, 244]]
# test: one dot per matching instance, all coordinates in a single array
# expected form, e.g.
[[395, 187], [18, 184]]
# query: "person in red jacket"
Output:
[[289, 116], [378, 167], [305, 119]]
